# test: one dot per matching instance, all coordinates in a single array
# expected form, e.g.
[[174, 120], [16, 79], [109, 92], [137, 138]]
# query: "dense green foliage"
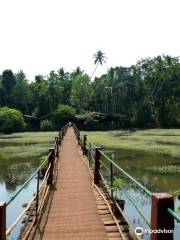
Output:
[[46, 125], [146, 94], [62, 115], [81, 92], [11, 120], [143, 95]]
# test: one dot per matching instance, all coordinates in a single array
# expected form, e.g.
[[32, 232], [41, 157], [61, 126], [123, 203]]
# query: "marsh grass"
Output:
[[23, 145], [168, 169], [18, 173], [27, 137], [161, 141]]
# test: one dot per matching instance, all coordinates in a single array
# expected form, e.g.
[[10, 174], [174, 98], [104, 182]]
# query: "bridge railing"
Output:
[[45, 175], [162, 204]]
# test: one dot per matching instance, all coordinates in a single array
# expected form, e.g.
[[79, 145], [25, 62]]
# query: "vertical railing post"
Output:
[[59, 135], [112, 190], [89, 154], [57, 146], [51, 161], [62, 133], [81, 142], [97, 165], [37, 195], [160, 219], [78, 137], [84, 145], [2, 221], [60, 138]]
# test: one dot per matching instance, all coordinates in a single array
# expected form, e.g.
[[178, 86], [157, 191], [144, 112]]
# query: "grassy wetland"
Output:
[[152, 156], [24, 145], [20, 154], [156, 141]]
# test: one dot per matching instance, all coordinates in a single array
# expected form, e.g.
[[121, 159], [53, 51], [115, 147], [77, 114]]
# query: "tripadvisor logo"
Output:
[[139, 231]]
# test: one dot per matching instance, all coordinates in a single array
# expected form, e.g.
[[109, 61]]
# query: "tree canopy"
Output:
[[143, 95]]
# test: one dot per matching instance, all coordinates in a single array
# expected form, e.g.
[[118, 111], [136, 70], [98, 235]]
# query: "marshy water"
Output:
[[136, 163], [12, 177], [20, 155], [15, 170]]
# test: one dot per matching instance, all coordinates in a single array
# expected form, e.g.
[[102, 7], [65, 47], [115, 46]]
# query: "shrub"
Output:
[[62, 115], [46, 125], [90, 122], [11, 120]]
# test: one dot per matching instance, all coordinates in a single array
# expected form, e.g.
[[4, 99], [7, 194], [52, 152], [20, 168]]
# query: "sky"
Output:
[[38, 36]]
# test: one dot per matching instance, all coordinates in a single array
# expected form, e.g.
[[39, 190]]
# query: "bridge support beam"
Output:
[[57, 145], [51, 161], [97, 165], [59, 135], [160, 219], [84, 145], [2, 221]]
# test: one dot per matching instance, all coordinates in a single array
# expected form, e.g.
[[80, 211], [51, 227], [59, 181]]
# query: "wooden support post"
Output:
[[2, 221], [51, 161], [84, 145], [60, 138], [79, 138], [81, 143], [112, 190], [97, 165], [115, 208], [37, 195], [57, 145], [160, 218], [89, 154], [62, 134], [59, 135]]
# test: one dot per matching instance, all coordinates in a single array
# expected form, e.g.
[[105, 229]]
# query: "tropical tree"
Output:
[[11, 120], [40, 100], [99, 58], [8, 82], [65, 83], [62, 115], [81, 92], [22, 94]]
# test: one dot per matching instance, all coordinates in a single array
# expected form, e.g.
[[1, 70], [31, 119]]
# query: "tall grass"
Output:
[[168, 169], [163, 141], [21, 145]]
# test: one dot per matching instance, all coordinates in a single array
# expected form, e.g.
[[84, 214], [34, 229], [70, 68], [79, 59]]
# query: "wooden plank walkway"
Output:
[[73, 212]]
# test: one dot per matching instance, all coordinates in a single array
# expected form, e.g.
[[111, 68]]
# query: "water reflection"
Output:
[[17, 174], [134, 162], [14, 172]]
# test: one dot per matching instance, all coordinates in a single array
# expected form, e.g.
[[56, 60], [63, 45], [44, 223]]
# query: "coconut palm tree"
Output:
[[99, 58]]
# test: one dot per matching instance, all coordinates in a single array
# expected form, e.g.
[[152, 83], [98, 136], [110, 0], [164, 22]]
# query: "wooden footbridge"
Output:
[[75, 201]]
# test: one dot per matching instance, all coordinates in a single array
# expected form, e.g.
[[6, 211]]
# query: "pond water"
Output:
[[135, 162], [14, 171]]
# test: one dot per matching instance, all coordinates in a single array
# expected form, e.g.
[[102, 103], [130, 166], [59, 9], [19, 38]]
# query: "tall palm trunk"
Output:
[[94, 69]]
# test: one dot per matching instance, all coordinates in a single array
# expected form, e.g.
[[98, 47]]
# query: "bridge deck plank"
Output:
[[73, 213]]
